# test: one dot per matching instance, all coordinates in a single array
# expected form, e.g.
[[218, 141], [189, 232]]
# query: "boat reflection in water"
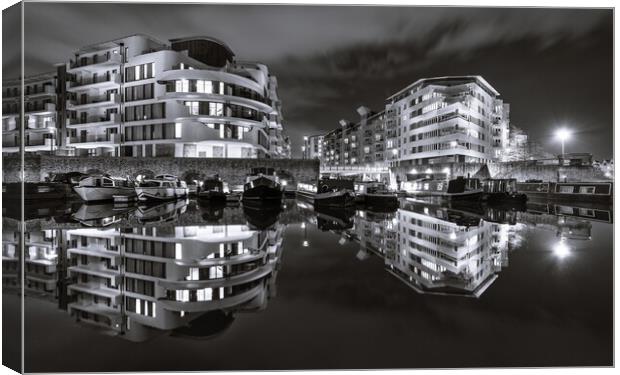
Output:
[[159, 277], [100, 215], [163, 212]]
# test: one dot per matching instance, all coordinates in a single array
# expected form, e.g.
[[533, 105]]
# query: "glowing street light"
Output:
[[563, 135]]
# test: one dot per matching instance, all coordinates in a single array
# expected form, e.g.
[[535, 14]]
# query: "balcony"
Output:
[[41, 109], [94, 63], [47, 90], [111, 119], [94, 140], [94, 102], [103, 82], [41, 145], [38, 127]]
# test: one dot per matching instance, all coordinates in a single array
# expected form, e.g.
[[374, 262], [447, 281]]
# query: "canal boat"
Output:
[[502, 191], [212, 190], [460, 188], [97, 188], [375, 194], [262, 186], [161, 188], [593, 192], [328, 192]]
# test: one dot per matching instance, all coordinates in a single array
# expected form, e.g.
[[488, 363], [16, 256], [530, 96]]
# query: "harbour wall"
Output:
[[233, 171], [522, 171]]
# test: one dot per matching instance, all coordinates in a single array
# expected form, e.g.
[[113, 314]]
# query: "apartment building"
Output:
[[313, 147], [443, 120], [40, 114], [357, 148], [137, 96], [430, 124], [144, 280]]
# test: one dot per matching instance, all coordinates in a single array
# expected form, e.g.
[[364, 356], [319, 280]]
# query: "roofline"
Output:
[[116, 41], [476, 77], [187, 38]]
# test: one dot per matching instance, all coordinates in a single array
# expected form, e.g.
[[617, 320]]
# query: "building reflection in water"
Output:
[[453, 250], [140, 281]]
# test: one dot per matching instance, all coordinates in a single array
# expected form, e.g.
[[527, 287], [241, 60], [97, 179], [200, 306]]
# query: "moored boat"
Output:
[[212, 190], [375, 194], [103, 188], [328, 192], [460, 188], [161, 188], [262, 186]]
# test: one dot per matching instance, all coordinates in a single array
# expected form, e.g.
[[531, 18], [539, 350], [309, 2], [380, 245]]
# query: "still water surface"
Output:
[[180, 286]]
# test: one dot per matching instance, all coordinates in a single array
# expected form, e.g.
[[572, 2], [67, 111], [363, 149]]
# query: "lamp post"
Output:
[[563, 135]]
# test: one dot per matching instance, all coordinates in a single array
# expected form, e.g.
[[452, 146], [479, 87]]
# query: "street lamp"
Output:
[[563, 135]]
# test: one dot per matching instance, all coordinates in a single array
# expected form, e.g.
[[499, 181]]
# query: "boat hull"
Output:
[[212, 195], [101, 193], [262, 194], [342, 198]]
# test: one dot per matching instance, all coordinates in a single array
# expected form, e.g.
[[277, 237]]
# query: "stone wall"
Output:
[[522, 171], [232, 171]]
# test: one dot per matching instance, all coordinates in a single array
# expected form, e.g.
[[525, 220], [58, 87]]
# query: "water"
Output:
[[428, 285]]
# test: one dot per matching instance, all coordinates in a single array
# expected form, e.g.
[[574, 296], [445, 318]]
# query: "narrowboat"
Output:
[[212, 190], [595, 192], [161, 188], [103, 188], [460, 188], [328, 192], [375, 194], [262, 186], [502, 191]]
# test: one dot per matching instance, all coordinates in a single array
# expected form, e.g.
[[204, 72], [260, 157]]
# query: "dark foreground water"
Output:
[[185, 287]]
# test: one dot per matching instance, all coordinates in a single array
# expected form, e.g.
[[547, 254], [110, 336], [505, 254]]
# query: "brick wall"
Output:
[[232, 171]]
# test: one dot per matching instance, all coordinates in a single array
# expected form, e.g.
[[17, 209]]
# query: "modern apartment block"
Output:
[[136, 96], [446, 120], [40, 114], [313, 147], [357, 147], [430, 124]]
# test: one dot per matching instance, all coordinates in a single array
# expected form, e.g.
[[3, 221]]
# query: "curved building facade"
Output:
[[136, 96]]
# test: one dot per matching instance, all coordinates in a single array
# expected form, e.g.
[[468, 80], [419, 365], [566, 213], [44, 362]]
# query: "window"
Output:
[[586, 190], [193, 108], [216, 109], [566, 189], [177, 130]]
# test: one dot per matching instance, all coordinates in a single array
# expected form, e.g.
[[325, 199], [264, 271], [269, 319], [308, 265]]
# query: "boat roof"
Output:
[[166, 176]]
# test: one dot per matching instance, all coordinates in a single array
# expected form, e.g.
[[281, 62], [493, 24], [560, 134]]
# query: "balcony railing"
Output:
[[111, 59], [112, 118], [107, 99], [92, 138], [41, 107], [113, 78]]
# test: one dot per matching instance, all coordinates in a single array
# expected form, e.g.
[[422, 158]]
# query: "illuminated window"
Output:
[[177, 130], [178, 251]]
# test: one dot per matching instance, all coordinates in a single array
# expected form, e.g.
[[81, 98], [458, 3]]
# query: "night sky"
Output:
[[554, 66]]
